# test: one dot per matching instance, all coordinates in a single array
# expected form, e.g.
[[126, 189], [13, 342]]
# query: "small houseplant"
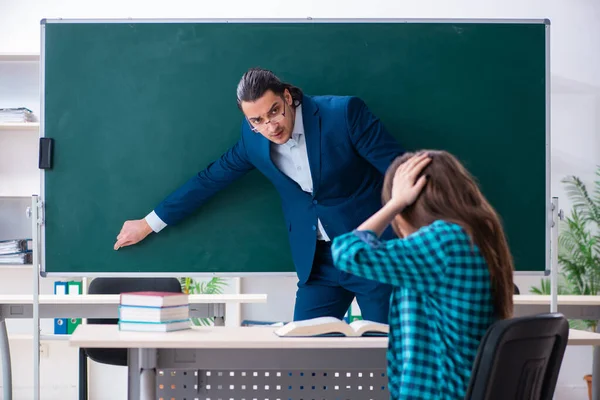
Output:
[[579, 250], [215, 285]]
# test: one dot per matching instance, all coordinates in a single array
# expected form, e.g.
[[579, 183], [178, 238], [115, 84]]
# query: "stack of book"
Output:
[[12, 115], [154, 312], [15, 251]]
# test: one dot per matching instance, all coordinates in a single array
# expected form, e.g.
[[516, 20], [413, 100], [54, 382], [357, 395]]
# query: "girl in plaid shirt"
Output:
[[451, 271]]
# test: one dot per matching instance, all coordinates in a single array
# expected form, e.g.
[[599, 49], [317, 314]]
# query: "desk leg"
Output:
[[133, 376], [141, 374], [218, 311], [6, 367], [83, 375], [596, 374]]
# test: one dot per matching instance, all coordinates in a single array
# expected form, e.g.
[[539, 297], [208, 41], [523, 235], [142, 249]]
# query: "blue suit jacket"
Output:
[[349, 151]]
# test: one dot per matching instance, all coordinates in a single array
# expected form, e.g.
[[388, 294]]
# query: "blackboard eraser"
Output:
[[46, 150]]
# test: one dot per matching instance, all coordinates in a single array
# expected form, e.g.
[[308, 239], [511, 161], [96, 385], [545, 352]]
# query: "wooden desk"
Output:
[[573, 307], [583, 338], [258, 337], [534, 299], [243, 362], [252, 362], [96, 306]]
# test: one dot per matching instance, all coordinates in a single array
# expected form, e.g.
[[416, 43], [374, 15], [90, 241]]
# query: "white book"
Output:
[[330, 326], [154, 326], [154, 299], [15, 246], [18, 258], [153, 314], [20, 114]]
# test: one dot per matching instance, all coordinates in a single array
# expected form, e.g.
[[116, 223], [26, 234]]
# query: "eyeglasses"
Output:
[[276, 114]]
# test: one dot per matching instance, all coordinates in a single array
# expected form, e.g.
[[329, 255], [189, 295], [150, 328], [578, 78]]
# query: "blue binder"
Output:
[[60, 324]]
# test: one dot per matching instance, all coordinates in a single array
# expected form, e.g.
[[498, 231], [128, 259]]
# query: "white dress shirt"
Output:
[[291, 158]]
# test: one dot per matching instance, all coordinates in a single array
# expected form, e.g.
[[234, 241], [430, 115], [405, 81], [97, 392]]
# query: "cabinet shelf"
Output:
[[43, 337], [19, 126], [25, 267], [20, 57]]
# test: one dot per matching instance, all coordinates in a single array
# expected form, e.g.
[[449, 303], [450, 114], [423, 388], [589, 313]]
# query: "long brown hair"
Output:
[[451, 194]]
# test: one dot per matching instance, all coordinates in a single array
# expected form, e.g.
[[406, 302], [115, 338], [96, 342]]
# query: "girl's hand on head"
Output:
[[406, 187]]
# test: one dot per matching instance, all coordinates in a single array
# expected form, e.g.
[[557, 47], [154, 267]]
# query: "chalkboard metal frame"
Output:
[[551, 248]]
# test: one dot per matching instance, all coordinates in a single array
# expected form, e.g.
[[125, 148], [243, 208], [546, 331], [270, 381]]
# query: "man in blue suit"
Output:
[[326, 156]]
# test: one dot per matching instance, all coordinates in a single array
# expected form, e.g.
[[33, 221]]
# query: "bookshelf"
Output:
[[19, 173]]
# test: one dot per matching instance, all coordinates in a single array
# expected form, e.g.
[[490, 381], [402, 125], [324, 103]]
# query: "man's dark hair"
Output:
[[257, 81]]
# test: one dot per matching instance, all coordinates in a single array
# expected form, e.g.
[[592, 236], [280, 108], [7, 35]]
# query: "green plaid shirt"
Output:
[[440, 308]]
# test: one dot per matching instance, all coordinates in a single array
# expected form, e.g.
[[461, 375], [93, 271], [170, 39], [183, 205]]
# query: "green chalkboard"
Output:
[[137, 107]]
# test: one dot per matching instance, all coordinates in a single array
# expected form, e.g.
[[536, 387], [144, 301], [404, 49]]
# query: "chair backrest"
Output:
[[118, 286], [121, 285], [519, 359]]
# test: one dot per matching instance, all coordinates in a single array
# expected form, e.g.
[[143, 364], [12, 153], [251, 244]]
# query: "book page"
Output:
[[315, 327], [364, 326]]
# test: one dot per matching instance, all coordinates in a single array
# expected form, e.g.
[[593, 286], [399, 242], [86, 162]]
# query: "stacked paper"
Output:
[[15, 251], [16, 115]]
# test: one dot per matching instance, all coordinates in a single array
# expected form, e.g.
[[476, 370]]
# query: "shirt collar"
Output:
[[298, 128], [299, 123]]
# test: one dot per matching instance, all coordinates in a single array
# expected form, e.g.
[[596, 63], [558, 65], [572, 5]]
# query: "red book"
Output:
[[154, 299]]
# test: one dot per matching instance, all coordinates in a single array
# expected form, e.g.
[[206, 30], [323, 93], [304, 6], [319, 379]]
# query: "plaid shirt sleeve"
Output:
[[417, 261]]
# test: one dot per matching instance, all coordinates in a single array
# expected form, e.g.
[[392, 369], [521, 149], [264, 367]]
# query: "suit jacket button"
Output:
[[315, 202], [314, 227]]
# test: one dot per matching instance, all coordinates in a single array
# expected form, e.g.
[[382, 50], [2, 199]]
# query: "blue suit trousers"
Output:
[[328, 292]]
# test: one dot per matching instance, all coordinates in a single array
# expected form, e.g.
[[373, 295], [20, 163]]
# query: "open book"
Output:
[[330, 326]]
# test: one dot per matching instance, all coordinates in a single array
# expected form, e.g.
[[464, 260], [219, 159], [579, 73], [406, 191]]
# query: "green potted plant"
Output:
[[215, 285], [579, 250]]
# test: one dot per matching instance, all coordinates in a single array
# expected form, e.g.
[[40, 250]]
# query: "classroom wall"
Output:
[[575, 146]]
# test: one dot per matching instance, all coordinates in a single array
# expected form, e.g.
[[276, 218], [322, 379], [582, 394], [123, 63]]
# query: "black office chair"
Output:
[[519, 359], [117, 286]]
